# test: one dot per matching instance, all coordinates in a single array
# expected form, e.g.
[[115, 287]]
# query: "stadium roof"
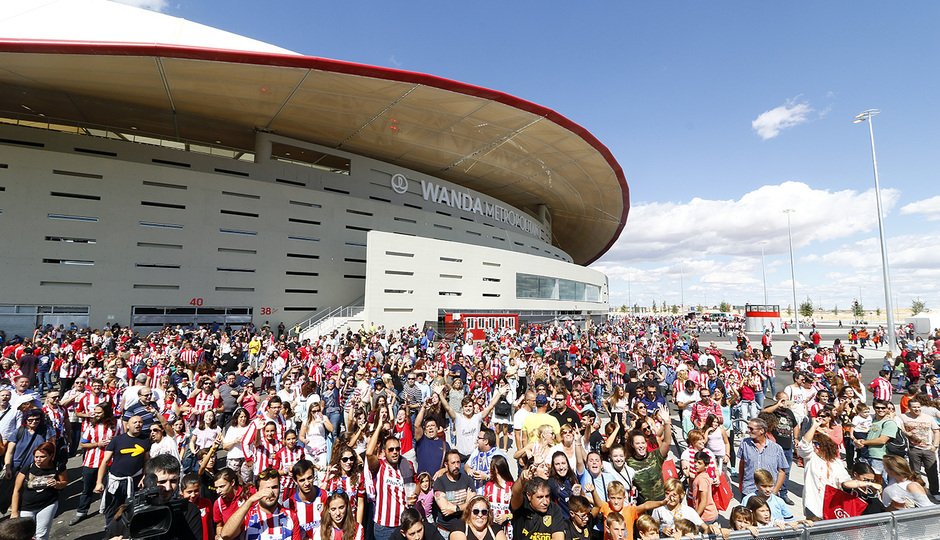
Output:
[[99, 63]]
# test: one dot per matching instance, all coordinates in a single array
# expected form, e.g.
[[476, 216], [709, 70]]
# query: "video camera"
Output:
[[145, 516]]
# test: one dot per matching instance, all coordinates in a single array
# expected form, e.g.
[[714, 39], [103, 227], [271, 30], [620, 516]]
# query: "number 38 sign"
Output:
[[265, 310]]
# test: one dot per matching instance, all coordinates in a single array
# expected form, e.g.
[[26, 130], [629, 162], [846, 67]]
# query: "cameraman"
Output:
[[186, 524]]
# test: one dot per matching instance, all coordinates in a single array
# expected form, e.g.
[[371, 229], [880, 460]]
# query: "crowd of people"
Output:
[[629, 428]]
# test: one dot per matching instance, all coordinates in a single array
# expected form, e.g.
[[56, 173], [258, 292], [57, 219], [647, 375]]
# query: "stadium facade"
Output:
[[154, 171]]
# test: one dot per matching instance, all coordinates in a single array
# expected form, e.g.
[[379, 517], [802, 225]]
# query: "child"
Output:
[[861, 423], [742, 519], [615, 527], [696, 440], [647, 527], [675, 508], [582, 513], [189, 490], [764, 480], [616, 495], [425, 495], [702, 489], [762, 517]]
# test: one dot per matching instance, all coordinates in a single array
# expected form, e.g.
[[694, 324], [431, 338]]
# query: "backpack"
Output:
[[899, 445], [503, 408]]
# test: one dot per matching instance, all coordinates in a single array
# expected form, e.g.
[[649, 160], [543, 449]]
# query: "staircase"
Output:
[[340, 318]]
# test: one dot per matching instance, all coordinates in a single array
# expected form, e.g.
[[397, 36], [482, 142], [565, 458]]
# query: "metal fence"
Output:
[[912, 524]]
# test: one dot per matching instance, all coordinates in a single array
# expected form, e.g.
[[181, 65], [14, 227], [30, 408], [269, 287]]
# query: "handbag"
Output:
[[669, 470], [838, 504], [721, 493]]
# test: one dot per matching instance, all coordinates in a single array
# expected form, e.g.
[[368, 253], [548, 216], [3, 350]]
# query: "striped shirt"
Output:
[[95, 433], [881, 389], [279, 525], [87, 404], [499, 498], [389, 495], [308, 513]]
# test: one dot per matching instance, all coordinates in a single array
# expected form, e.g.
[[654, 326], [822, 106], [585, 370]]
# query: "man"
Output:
[[564, 415], [595, 474], [186, 522], [930, 388], [799, 395], [881, 386], [883, 429], [924, 438], [701, 409], [518, 420], [127, 453], [758, 452], [8, 423], [534, 515], [94, 440], [784, 434], [390, 473], [129, 397], [540, 418], [306, 500], [591, 438], [262, 517], [452, 490], [272, 413], [147, 410], [467, 424], [86, 404], [228, 391], [478, 466], [23, 394], [161, 442], [429, 444]]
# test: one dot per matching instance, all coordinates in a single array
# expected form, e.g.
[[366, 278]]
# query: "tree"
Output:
[[806, 308], [835, 310], [664, 307], [918, 306], [623, 308], [675, 309], [724, 307], [878, 311], [654, 309], [857, 310], [789, 310]]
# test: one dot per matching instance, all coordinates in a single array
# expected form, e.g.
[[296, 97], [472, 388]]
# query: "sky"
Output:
[[721, 114]]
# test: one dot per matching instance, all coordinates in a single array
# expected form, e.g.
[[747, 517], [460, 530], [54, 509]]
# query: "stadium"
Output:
[[156, 171]]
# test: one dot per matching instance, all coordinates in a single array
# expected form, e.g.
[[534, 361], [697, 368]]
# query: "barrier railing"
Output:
[[911, 524]]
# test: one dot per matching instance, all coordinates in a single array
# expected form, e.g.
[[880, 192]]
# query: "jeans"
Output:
[[45, 381], [43, 520], [89, 479], [381, 532], [788, 452], [773, 386]]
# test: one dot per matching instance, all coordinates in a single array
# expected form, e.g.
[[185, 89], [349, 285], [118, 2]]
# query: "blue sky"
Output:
[[721, 114]]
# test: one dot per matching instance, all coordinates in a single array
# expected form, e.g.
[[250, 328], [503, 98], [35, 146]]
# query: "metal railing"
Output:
[[329, 321], [911, 524]]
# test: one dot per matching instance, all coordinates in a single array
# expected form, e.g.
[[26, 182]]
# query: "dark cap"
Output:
[[541, 400]]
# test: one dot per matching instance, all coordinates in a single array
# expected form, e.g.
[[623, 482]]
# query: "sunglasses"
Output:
[[346, 459], [393, 449], [480, 511]]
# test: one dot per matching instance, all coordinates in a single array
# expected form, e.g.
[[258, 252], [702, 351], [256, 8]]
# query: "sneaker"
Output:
[[76, 520], [788, 500]]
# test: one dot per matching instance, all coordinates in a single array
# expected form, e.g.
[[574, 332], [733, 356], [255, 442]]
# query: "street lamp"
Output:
[[796, 312], [763, 271], [866, 116]]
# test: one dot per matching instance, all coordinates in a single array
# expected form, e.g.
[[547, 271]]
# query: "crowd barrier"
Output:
[[911, 524]]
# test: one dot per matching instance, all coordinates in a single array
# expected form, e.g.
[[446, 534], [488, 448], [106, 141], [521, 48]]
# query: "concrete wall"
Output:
[[408, 279], [91, 221]]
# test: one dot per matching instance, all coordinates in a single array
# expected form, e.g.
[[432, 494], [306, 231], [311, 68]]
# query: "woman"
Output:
[[249, 399], [717, 441], [649, 465], [828, 425], [232, 444], [205, 433], [905, 488], [37, 487], [477, 522], [498, 491], [684, 398], [502, 414], [849, 400], [563, 482], [231, 492], [345, 473], [822, 467], [332, 408], [539, 449], [573, 452], [94, 440], [412, 527], [34, 431], [336, 521]]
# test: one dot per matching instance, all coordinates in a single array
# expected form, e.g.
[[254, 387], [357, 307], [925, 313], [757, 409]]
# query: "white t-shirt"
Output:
[[800, 398], [235, 434], [666, 518], [167, 445], [467, 430]]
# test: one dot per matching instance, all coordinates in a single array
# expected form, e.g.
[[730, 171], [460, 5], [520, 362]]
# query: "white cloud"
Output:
[[929, 207], [770, 123], [152, 5]]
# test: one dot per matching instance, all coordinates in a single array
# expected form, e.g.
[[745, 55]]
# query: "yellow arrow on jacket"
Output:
[[134, 452]]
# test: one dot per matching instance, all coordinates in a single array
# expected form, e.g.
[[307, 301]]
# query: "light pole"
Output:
[[866, 116], [763, 271], [796, 311]]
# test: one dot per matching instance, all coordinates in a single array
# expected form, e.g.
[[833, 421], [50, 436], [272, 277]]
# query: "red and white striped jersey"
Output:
[[134, 359], [499, 503], [353, 489], [58, 417], [389, 495], [847, 372], [308, 513], [266, 456], [495, 368], [96, 433], [770, 367], [70, 369], [256, 426], [287, 457], [881, 389], [157, 371], [87, 404], [201, 402], [189, 356]]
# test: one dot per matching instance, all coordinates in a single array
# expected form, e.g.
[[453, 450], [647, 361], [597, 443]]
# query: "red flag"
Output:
[[838, 504], [669, 470]]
